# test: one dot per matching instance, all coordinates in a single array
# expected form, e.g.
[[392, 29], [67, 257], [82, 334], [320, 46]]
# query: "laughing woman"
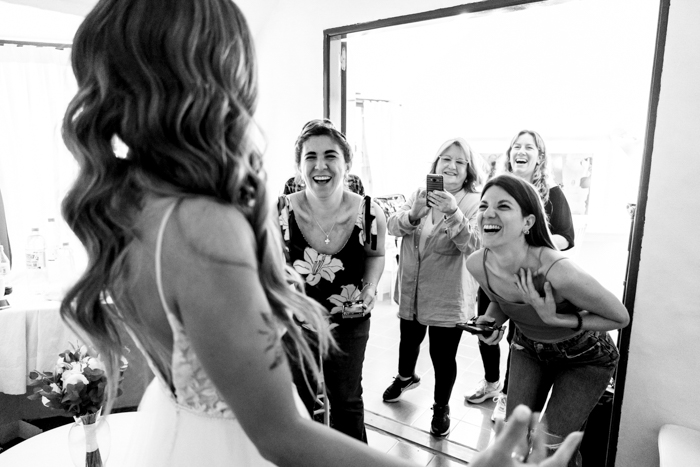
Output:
[[561, 313], [436, 292], [335, 240]]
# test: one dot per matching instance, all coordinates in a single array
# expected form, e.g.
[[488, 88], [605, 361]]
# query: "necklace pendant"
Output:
[[326, 241]]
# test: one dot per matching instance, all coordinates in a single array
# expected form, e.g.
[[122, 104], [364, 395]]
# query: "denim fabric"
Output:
[[443, 353], [577, 370], [343, 377]]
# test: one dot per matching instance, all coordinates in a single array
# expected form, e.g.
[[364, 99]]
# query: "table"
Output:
[[32, 335], [51, 447]]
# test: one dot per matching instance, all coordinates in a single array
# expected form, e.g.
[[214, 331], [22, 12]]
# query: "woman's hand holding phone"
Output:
[[419, 209]]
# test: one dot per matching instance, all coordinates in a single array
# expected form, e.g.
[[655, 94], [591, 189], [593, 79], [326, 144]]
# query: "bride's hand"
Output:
[[511, 448]]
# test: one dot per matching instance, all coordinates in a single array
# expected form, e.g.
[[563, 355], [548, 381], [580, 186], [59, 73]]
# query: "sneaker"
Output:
[[440, 426], [484, 390], [393, 392], [499, 412]]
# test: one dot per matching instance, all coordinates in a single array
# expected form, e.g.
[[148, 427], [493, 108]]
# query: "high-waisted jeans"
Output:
[[577, 370]]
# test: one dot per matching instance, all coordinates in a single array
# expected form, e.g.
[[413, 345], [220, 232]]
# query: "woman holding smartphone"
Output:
[[436, 292]]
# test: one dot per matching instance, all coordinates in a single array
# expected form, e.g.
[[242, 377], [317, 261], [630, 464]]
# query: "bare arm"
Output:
[[212, 281], [602, 310], [374, 263]]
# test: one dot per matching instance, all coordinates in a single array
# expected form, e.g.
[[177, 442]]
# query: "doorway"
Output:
[[579, 73]]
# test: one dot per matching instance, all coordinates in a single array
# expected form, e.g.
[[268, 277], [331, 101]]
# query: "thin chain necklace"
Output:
[[327, 234]]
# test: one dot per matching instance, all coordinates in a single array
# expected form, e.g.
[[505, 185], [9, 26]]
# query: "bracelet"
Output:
[[580, 322], [369, 284]]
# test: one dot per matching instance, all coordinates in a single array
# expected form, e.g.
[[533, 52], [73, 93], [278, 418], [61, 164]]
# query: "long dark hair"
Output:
[[176, 82], [529, 201]]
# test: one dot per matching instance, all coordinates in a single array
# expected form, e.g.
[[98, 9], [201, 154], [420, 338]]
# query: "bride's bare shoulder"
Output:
[[216, 230]]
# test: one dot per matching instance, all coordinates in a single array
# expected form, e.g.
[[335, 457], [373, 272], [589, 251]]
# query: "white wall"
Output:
[[664, 365]]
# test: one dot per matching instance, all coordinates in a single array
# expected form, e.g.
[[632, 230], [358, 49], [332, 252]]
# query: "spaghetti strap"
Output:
[[486, 273], [550, 266], [159, 249]]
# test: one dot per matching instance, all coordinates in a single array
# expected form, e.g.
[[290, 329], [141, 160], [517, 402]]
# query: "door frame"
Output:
[[334, 105]]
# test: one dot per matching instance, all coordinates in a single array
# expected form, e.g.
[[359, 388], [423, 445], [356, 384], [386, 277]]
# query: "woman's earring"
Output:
[[526, 231]]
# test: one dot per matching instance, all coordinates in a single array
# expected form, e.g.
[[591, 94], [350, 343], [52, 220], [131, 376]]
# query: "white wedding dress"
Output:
[[192, 425]]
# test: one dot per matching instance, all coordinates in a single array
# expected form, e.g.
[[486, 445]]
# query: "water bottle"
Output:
[[35, 254], [52, 240], [4, 272], [61, 272]]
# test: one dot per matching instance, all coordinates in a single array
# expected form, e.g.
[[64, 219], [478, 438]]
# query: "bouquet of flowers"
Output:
[[78, 384], [78, 387]]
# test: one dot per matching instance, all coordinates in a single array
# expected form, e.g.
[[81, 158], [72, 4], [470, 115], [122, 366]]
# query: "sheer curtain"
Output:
[[36, 169]]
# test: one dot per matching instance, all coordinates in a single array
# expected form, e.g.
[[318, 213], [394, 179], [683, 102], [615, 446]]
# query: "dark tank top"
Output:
[[330, 279], [525, 316]]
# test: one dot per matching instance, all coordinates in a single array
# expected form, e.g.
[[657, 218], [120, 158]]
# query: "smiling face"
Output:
[[524, 156], [500, 218], [322, 165], [452, 164]]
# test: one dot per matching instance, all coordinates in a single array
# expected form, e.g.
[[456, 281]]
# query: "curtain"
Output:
[[36, 169]]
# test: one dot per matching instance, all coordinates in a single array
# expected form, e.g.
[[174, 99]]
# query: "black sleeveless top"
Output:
[[330, 279]]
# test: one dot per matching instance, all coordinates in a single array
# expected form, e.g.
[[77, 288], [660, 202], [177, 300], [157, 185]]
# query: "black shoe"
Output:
[[440, 426], [393, 392]]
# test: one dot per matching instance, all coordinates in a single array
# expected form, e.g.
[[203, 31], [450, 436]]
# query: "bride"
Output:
[[183, 251]]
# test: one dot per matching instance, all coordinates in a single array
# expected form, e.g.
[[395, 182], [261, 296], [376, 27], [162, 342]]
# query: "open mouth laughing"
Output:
[[521, 160], [322, 179], [491, 228]]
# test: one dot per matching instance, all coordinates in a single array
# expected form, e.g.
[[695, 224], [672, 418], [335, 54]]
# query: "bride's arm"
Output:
[[211, 279]]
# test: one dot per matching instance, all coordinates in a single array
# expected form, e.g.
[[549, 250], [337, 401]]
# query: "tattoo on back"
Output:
[[272, 341]]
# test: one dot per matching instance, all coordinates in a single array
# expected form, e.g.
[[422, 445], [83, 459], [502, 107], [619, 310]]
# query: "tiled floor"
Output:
[[471, 426]]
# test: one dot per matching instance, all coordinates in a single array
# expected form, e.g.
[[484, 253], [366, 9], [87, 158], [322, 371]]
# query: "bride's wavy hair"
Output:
[[176, 82]]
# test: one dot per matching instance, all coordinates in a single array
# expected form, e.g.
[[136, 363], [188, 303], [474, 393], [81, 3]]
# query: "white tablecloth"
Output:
[[32, 335], [51, 447]]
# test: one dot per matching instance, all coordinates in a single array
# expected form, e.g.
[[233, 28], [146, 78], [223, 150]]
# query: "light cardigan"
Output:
[[435, 286]]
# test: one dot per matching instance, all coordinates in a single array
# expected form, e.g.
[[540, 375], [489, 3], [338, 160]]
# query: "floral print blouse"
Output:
[[330, 279]]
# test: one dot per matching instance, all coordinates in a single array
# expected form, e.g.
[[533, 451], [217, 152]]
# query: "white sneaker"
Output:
[[499, 412], [484, 390]]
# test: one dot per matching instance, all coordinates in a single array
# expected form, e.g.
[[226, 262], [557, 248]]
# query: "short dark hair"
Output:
[[322, 127]]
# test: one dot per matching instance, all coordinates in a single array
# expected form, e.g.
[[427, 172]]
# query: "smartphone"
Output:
[[483, 329], [354, 309], [433, 183]]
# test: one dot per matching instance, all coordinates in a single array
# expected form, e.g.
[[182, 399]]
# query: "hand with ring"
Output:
[[521, 442]]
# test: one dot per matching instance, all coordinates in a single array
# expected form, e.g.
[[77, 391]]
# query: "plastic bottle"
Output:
[[52, 240], [62, 273], [4, 271], [35, 254]]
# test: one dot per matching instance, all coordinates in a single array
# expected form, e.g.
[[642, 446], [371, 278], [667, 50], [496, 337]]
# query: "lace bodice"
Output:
[[192, 389]]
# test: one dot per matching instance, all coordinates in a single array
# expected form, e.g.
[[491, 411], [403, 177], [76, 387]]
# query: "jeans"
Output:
[[343, 375], [443, 353], [342, 371], [576, 370]]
